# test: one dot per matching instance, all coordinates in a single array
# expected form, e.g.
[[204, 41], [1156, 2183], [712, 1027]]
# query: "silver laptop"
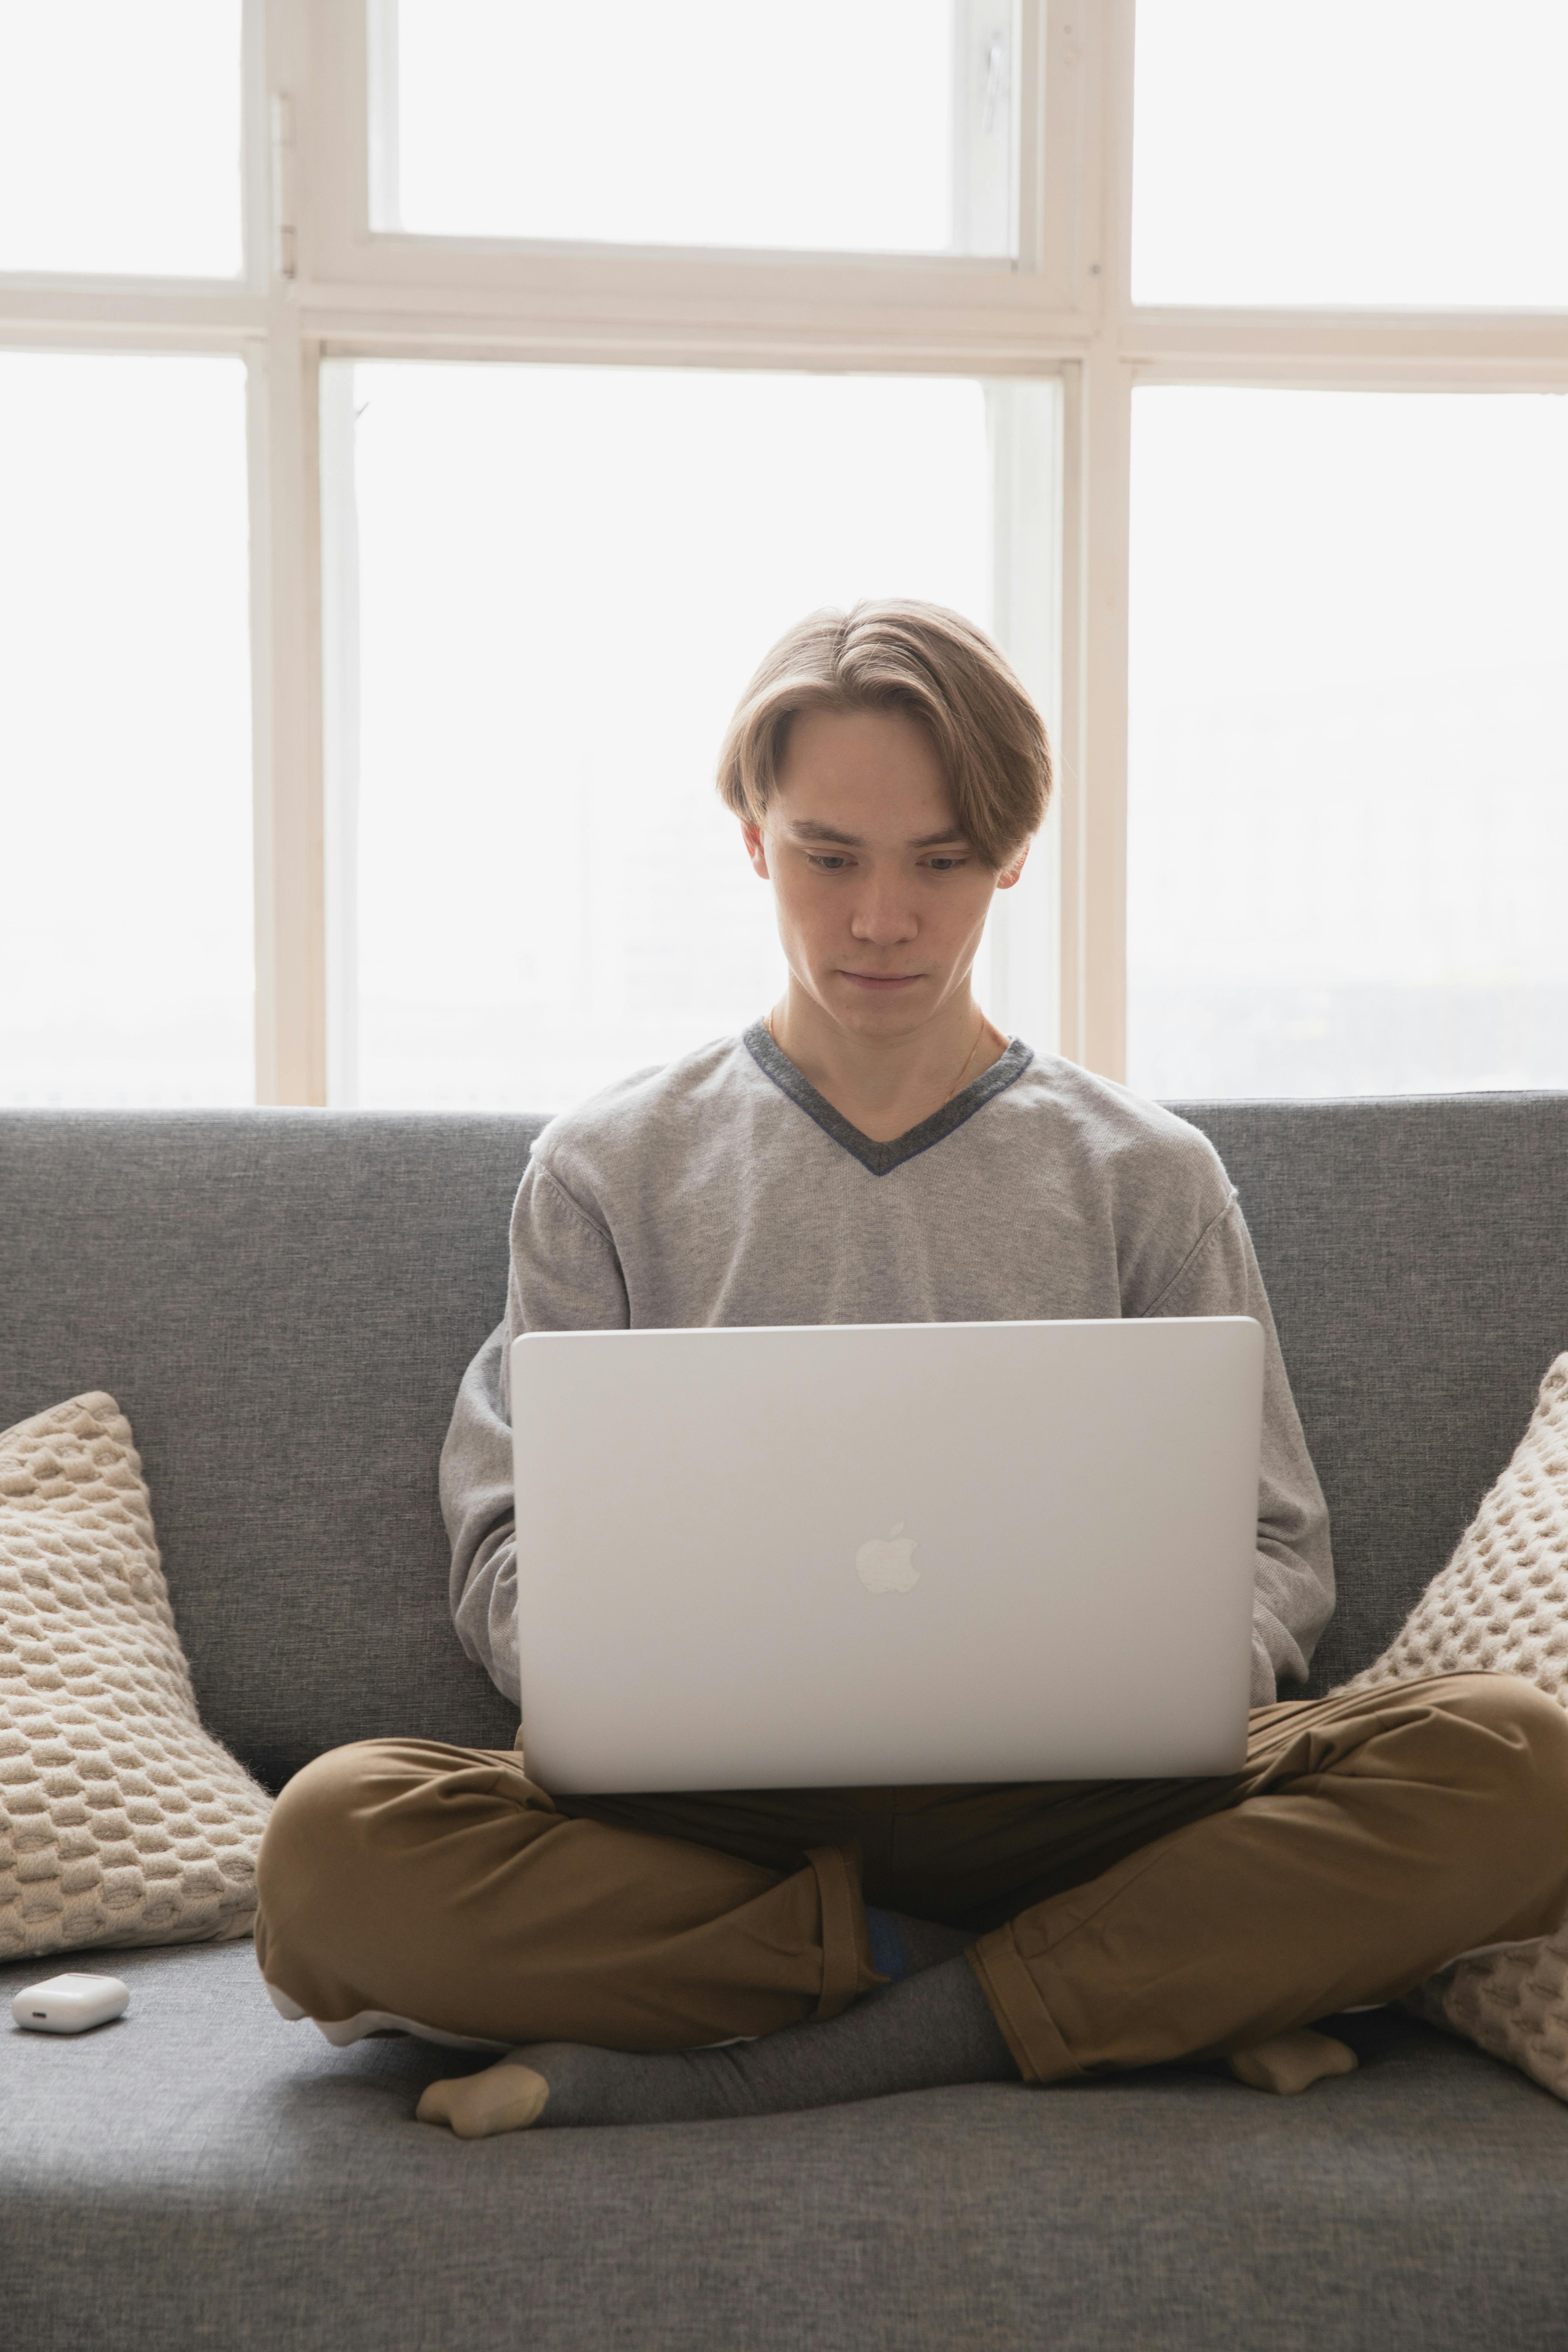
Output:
[[856, 1556]]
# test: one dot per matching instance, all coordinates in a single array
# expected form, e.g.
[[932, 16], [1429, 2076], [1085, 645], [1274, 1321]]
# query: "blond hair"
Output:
[[937, 669]]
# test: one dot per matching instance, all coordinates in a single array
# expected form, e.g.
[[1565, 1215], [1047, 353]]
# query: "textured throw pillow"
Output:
[[121, 1821], [1501, 1606]]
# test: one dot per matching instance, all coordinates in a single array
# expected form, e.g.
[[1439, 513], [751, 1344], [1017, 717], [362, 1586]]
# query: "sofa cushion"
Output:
[[121, 1821], [201, 2174]]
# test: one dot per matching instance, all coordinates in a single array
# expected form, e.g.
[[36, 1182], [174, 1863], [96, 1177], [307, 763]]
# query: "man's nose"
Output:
[[883, 914]]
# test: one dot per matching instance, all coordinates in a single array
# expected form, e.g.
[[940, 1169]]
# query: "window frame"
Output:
[[319, 283]]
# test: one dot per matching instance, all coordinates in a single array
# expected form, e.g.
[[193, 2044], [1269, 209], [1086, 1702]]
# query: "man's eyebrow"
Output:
[[807, 829]]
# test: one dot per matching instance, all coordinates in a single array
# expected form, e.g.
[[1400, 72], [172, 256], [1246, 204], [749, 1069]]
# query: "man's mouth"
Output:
[[882, 980]]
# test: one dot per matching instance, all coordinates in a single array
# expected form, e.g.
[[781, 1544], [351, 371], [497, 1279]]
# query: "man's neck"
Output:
[[884, 1087]]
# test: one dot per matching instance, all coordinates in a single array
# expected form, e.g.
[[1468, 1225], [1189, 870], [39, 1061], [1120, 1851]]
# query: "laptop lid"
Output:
[[866, 1555]]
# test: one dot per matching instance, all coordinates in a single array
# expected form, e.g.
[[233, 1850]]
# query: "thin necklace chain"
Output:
[[964, 1069]]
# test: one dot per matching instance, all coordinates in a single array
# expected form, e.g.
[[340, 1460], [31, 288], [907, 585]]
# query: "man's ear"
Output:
[[756, 850], [1009, 873]]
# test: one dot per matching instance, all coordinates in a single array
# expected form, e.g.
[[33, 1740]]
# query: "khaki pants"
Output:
[[1369, 1838]]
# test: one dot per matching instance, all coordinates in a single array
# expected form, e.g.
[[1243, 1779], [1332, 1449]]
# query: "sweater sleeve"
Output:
[[565, 1277], [1293, 1597]]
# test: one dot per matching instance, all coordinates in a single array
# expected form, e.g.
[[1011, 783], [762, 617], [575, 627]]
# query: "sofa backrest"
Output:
[[1415, 1255], [283, 1302]]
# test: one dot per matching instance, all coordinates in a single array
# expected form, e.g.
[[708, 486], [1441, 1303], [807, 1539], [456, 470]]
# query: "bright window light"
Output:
[[120, 149], [1355, 152], [565, 577], [126, 959], [845, 125], [1348, 815]]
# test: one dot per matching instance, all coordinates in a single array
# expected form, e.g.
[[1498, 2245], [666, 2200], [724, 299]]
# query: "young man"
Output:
[[874, 1151]]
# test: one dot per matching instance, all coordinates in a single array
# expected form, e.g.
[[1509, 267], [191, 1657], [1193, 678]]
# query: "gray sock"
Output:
[[934, 2028]]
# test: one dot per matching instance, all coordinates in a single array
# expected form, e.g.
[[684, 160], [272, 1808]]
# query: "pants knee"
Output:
[[1518, 1749], [312, 1817], [370, 1853], [366, 1836], [318, 1852]]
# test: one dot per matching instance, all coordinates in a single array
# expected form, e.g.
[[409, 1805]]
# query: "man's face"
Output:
[[881, 900]]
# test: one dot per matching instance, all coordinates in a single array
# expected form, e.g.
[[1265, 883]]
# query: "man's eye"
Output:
[[830, 864], [945, 865]]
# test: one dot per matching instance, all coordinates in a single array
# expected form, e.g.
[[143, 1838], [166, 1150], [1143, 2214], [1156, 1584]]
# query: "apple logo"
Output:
[[885, 1564]]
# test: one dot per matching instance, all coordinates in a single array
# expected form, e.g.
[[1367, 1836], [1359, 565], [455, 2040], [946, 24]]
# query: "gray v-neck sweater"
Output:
[[723, 1189]]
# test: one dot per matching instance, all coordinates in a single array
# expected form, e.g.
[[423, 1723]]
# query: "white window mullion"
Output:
[[1101, 878], [340, 710], [290, 899], [1095, 830], [1068, 742], [286, 575], [1024, 422]]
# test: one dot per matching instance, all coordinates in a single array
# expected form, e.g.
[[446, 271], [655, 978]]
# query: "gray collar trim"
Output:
[[881, 1158]]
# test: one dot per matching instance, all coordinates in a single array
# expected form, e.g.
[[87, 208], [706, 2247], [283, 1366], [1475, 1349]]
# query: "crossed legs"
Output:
[[1369, 1838]]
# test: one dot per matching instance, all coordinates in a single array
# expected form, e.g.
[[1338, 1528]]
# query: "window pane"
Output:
[[1356, 151], [566, 576], [125, 951], [844, 125], [120, 137], [1348, 829]]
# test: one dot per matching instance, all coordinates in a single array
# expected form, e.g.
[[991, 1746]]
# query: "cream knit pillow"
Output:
[[121, 1821], [1501, 1606]]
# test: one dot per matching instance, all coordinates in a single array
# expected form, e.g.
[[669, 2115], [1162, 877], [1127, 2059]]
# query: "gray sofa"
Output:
[[282, 1302]]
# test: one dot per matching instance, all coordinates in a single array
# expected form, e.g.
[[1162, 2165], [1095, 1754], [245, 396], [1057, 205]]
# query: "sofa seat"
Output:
[[203, 2174]]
